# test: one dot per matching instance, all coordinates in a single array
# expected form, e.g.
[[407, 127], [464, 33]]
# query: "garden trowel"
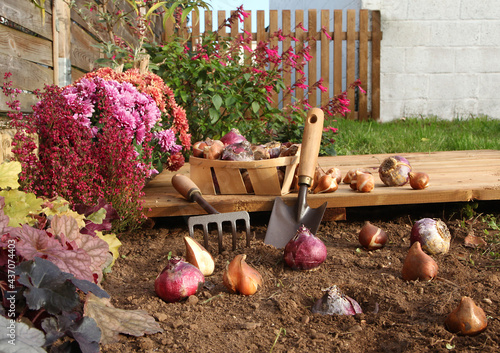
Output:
[[190, 191], [286, 219]]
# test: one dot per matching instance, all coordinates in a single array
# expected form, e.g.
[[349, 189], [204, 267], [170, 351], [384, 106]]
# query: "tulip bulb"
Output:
[[418, 180], [418, 265], [365, 182], [335, 173], [326, 184], [372, 237], [198, 148], [240, 277], [198, 256], [467, 319]]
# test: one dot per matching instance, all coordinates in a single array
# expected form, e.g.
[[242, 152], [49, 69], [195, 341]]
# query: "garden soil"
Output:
[[398, 316]]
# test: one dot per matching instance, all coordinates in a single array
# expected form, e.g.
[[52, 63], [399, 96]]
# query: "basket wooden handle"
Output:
[[311, 142], [185, 186]]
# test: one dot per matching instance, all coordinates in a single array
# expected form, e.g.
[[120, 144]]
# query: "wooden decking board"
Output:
[[455, 176]]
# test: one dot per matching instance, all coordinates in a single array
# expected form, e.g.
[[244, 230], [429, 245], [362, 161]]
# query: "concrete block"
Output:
[[430, 60], [490, 33], [394, 86], [489, 107], [480, 10], [392, 59], [455, 33], [453, 86], [433, 10], [489, 86], [391, 110], [406, 33], [415, 108], [477, 60]]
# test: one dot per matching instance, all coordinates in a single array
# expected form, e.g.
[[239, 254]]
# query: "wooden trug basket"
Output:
[[263, 175]]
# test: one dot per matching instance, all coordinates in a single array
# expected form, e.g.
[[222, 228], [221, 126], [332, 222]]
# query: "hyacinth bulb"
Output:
[[432, 234], [394, 171], [334, 302], [304, 251], [178, 280]]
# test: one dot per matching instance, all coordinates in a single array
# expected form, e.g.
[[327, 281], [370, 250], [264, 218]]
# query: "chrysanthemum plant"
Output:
[[101, 137]]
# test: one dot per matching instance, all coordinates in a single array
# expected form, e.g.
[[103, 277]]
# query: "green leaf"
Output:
[[9, 172], [19, 206], [217, 101], [214, 115], [255, 107]]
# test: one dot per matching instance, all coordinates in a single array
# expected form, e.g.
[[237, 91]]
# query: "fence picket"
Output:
[[351, 59], [311, 65], [363, 64], [325, 56]]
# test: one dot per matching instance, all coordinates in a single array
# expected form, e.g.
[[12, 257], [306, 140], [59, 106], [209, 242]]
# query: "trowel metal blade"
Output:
[[283, 223]]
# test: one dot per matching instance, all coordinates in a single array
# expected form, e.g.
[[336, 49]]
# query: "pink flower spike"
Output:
[[325, 31], [301, 27], [361, 89], [322, 88]]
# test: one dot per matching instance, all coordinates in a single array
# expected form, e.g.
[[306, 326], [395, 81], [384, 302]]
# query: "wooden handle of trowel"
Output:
[[311, 142], [190, 191]]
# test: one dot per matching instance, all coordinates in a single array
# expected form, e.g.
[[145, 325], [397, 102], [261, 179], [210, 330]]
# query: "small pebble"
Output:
[[488, 301], [192, 300], [177, 323], [161, 317], [305, 319]]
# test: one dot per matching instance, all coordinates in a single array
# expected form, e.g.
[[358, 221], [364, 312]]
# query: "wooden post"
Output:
[[311, 65], [376, 38], [325, 56], [63, 29]]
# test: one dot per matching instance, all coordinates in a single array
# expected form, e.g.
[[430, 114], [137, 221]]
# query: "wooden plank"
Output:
[[26, 75], [83, 55], [195, 30], [287, 72], [273, 28], [377, 37], [325, 56], [221, 17], [363, 64], [311, 66], [208, 21], [247, 26], [456, 176], [28, 15], [351, 59], [261, 26], [22, 45], [337, 52], [299, 47]]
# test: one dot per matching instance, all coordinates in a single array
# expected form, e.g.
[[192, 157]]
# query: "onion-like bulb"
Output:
[[467, 318], [432, 234], [240, 277], [372, 237], [336, 302], [418, 180], [418, 265], [304, 251], [394, 171], [178, 280]]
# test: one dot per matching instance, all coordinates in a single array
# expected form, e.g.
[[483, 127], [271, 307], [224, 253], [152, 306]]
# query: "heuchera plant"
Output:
[[50, 272], [101, 137]]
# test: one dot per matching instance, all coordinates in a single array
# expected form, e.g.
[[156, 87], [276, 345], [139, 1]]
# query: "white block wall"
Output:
[[439, 58]]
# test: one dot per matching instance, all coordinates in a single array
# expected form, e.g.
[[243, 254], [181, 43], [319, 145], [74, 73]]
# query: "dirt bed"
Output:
[[398, 316]]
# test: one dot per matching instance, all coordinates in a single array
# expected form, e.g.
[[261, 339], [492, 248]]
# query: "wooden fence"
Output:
[[58, 48], [362, 60]]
